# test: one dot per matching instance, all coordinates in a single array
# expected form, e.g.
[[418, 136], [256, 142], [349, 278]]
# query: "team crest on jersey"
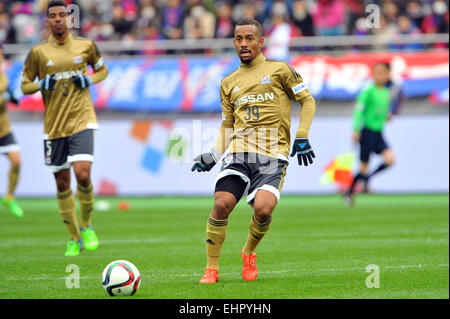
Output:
[[265, 79], [78, 59]]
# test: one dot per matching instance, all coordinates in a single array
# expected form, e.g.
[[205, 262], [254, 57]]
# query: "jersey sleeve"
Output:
[[3, 88], [293, 83], [226, 129], [30, 72], [95, 58], [3, 83], [297, 90], [359, 110], [97, 62]]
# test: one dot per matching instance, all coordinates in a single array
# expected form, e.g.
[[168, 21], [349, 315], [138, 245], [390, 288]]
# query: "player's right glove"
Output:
[[204, 162], [303, 150], [48, 83]]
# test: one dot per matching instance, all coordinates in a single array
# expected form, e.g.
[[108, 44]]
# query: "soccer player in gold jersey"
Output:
[[8, 145], [256, 104], [61, 65]]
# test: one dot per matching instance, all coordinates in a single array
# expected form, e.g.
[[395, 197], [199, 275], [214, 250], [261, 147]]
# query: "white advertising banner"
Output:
[[155, 157]]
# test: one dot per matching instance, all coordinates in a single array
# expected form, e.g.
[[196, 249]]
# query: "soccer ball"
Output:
[[121, 278]]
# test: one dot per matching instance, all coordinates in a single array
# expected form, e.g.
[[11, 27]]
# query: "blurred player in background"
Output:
[[374, 106], [256, 104], [61, 65], [8, 145]]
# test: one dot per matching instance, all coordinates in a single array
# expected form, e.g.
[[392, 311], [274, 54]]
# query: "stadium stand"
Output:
[[136, 20]]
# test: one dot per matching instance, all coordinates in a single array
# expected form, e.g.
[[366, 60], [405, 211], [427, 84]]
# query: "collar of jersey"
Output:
[[258, 60], [67, 40]]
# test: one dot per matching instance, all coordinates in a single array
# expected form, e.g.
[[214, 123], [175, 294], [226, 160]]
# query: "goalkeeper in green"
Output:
[[372, 110]]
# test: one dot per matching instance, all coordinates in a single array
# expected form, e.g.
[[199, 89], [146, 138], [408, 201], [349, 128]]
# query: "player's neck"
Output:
[[258, 59], [61, 38]]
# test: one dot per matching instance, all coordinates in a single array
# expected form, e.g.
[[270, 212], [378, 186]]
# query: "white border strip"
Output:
[[265, 187], [9, 148], [56, 169], [80, 157]]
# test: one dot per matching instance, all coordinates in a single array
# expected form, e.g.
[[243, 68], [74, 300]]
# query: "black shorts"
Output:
[[371, 142], [60, 153], [8, 144], [256, 171]]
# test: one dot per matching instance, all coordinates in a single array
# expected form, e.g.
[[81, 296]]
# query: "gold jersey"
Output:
[[256, 102], [5, 125], [68, 109]]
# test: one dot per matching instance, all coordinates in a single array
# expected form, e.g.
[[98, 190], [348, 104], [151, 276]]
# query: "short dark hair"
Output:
[[249, 21], [55, 3], [383, 63]]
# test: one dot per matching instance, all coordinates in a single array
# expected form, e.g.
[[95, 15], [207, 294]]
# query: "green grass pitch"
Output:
[[316, 248]]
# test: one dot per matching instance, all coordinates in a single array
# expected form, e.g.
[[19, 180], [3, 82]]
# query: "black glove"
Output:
[[204, 162], [303, 150], [82, 81], [9, 97], [48, 83]]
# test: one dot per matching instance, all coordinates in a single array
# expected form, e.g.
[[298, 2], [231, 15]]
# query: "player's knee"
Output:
[[390, 160], [364, 168], [83, 177], [222, 208], [62, 184], [263, 211], [15, 161], [15, 164]]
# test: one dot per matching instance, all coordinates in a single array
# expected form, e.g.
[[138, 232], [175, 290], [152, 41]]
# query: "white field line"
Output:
[[325, 237], [31, 243], [420, 266], [329, 269], [372, 233]]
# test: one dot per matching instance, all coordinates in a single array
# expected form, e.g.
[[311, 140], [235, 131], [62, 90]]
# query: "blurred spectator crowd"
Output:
[[130, 20]]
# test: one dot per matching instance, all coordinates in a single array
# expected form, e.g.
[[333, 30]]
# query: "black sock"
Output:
[[355, 180], [379, 169]]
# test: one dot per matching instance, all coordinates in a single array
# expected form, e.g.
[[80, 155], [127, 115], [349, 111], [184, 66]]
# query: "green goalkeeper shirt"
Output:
[[372, 108]]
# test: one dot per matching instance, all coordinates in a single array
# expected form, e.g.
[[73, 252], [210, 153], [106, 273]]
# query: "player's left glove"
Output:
[[9, 96], [204, 162], [303, 150], [82, 81]]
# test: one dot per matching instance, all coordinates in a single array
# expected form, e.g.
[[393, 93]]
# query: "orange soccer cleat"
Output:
[[249, 270], [210, 276]]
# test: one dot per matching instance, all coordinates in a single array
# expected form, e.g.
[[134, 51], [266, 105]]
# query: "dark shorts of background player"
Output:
[[8, 144], [371, 142], [60, 153], [246, 173]]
